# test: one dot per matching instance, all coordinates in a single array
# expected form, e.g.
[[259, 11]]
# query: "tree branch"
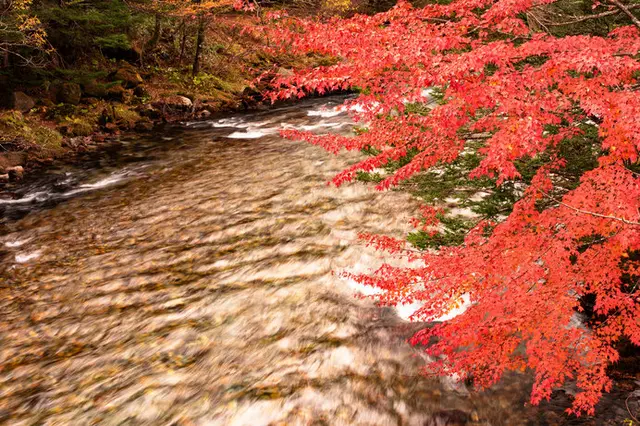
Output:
[[579, 19], [626, 11], [603, 216]]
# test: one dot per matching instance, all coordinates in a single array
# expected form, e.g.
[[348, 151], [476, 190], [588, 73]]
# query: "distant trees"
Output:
[[29, 30]]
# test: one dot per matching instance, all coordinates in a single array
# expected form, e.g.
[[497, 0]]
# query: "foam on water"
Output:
[[247, 135], [16, 243], [25, 257], [36, 196], [324, 113], [102, 183]]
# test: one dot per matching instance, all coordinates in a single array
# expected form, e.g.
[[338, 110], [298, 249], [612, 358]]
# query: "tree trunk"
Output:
[[183, 42], [199, 43], [157, 30]]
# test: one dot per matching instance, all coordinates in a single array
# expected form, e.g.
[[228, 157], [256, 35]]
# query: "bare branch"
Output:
[[604, 216], [626, 11]]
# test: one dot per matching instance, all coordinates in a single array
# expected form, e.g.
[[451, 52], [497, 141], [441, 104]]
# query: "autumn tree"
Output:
[[21, 33], [527, 91]]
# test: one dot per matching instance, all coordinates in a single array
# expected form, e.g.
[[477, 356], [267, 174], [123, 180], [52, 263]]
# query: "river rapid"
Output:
[[187, 278]]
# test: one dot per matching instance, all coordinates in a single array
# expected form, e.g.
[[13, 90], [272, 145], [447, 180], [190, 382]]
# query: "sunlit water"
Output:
[[186, 279]]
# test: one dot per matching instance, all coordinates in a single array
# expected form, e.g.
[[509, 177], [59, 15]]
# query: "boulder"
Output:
[[76, 142], [204, 114], [4, 177], [124, 117], [250, 97], [12, 159], [117, 93], [21, 101], [15, 173], [149, 111], [177, 102], [141, 92], [127, 75], [110, 128], [69, 93], [76, 128], [94, 89]]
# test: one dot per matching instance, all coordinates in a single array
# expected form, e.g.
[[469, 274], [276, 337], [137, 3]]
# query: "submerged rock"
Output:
[[448, 418], [144, 126]]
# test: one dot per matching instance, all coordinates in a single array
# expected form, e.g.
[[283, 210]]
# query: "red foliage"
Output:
[[525, 275]]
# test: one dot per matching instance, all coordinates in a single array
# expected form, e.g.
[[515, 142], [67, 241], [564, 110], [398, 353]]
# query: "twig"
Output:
[[626, 11], [604, 216], [626, 403], [535, 18], [588, 17]]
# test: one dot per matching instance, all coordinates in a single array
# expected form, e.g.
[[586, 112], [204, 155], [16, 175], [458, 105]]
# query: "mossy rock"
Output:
[[94, 89], [46, 138], [117, 93], [125, 117], [14, 128], [128, 75], [59, 113], [76, 127], [68, 93]]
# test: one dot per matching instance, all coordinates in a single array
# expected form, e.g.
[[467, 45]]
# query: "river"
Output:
[[186, 278]]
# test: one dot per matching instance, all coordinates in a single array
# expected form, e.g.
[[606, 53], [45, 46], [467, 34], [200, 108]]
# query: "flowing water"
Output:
[[186, 278]]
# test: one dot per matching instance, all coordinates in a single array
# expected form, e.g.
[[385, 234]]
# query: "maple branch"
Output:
[[603, 216], [588, 17], [626, 11]]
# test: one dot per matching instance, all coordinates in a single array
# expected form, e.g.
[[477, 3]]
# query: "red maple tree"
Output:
[[526, 275]]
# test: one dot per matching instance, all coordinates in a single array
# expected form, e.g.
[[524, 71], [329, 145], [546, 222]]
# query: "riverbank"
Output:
[[55, 114]]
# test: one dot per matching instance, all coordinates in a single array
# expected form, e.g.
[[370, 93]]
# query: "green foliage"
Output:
[[79, 27], [448, 185], [114, 41], [416, 108], [368, 177], [453, 233]]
